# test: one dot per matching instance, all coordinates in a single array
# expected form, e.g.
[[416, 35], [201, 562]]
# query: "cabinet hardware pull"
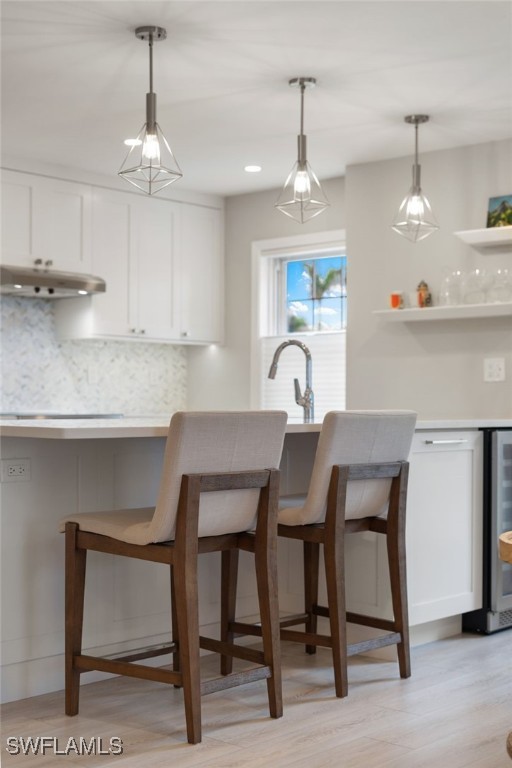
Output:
[[445, 442]]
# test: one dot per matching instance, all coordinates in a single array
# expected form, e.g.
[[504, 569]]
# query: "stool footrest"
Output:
[[148, 652], [374, 643], [290, 621], [158, 674], [242, 628], [371, 621], [308, 638], [358, 618], [238, 678], [230, 649]]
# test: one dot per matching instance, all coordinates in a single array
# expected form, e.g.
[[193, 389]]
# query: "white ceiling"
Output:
[[74, 79]]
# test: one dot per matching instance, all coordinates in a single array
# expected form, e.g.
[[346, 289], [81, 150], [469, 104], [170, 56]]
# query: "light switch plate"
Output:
[[494, 369]]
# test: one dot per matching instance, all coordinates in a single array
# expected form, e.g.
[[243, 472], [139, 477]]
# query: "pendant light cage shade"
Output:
[[150, 165], [302, 197], [415, 219]]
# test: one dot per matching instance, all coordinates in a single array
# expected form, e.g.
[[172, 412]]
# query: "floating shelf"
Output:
[[462, 312], [489, 239]]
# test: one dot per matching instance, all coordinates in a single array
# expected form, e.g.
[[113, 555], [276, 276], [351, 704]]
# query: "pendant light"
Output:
[[302, 197], [150, 164], [415, 219]]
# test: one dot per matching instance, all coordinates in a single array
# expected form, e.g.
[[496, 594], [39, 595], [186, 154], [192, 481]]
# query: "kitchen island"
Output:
[[90, 465]]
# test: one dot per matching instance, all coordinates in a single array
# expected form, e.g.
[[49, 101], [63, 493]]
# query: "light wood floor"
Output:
[[454, 712]]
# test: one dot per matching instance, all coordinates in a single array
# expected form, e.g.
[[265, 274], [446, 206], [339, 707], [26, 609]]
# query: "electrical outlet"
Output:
[[494, 369], [15, 470]]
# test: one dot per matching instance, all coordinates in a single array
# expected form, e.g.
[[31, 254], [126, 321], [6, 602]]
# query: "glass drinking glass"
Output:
[[450, 292], [501, 289]]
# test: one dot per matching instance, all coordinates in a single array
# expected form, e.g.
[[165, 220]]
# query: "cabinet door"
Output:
[[202, 274], [113, 312], [154, 278], [18, 246], [47, 220], [444, 525], [62, 224]]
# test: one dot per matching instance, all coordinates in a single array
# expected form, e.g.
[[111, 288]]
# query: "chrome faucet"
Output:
[[306, 400]]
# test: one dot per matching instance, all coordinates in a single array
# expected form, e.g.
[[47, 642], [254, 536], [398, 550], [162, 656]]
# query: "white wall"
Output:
[[435, 368], [219, 377]]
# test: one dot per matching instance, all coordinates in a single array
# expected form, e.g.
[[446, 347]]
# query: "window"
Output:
[[299, 291], [315, 291]]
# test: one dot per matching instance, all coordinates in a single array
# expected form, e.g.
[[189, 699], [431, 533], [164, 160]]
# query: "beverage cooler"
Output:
[[496, 612]]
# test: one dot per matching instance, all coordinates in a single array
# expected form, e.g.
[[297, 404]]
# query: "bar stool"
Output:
[[218, 492], [358, 483]]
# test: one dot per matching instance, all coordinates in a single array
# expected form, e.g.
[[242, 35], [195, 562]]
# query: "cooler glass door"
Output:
[[501, 573]]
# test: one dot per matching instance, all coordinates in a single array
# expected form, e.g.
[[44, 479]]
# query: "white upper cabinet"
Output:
[[162, 261], [45, 222], [155, 269], [134, 251], [202, 275], [110, 313], [163, 266], [17, 229]]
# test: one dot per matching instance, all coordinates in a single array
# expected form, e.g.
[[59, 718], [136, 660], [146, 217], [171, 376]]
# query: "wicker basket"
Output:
[[506, 547]]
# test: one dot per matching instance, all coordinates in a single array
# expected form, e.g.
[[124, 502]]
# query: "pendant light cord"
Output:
[[302, 89], [416, 172], [150, 63]]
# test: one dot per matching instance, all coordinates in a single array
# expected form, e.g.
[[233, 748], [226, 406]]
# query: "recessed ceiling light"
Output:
[[252, 168], [132, 142]]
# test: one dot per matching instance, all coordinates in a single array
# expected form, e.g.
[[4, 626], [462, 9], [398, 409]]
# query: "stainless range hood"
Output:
[[47, 284]]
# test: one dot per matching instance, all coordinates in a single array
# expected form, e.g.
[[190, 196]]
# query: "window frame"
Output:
[[263, 287]]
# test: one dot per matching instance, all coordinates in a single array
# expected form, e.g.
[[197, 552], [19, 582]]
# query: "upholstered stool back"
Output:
[[354, 437]]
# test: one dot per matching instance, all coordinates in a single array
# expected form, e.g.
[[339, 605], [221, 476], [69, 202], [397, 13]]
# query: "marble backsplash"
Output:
[[40, 373]]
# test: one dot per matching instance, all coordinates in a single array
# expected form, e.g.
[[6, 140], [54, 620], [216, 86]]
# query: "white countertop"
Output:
[[157, 426]]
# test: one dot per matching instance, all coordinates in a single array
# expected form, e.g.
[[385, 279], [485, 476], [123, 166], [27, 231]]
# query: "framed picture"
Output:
[[499, 213]]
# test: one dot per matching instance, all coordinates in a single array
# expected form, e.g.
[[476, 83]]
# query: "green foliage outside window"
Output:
[[316, 294]]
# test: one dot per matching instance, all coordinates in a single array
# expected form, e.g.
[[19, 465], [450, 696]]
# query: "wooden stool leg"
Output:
[[75, 588], [311, 567], [266, 576], [229, 576], [335, 582], [398, 576], [398, 570], [185, 581], [176, 665]]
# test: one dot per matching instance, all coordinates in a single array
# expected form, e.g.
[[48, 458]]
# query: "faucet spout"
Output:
[[306, 400]]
